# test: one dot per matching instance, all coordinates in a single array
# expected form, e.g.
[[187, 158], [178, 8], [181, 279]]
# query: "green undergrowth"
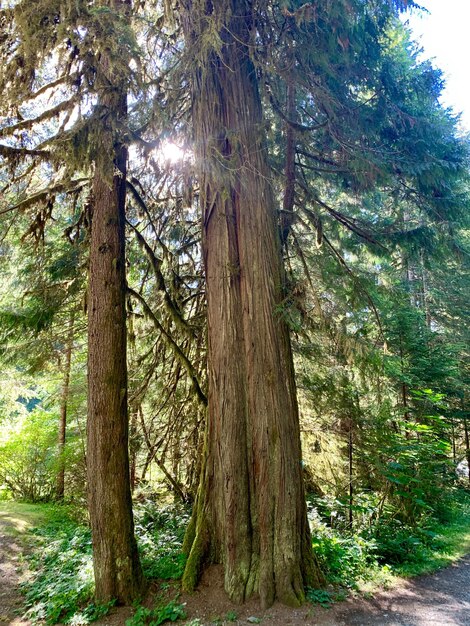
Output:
[[441, 542], [169, 612], [376, 554], [60, 587], [160, 533]]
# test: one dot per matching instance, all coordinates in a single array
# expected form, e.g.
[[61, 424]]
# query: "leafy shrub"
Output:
[[344, 556], [398, 543], [344, 559], [28, 458], [320, 596], [230, 616], [388, 544]]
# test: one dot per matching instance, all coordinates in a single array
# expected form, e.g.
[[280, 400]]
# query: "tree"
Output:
[[78, 55], [118, 574], [250, 513], [358, 123]]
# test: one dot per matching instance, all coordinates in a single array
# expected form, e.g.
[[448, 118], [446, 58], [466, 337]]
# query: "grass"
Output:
[[21, 518]]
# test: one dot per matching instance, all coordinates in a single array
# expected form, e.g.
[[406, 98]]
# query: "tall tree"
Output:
[[77, 56], [116, 563], [250, 513]]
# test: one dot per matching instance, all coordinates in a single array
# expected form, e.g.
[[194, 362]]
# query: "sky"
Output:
[[444, 34]]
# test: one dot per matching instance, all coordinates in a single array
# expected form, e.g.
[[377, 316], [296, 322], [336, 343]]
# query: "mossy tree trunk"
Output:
[[250, 512], [117, 569]]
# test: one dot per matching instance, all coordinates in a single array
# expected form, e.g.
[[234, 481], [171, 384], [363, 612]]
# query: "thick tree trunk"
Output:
[[115, 558], [60, 481], [250, 513]]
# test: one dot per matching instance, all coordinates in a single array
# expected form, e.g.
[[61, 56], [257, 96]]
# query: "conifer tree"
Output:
[[250, 512], [87, 48]]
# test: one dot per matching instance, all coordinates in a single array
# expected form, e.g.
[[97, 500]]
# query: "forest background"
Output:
[[316, 131]]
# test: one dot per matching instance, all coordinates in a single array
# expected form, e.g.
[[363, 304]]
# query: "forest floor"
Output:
[[15, 521], [438, 599]]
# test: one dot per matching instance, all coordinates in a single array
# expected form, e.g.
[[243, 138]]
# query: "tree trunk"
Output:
[[467, 445], [250, 512], [133, 448], [115, 559], [351, 471], [60, 481]]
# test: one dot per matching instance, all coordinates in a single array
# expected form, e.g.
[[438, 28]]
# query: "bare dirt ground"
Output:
[[440, 599], [11, 556]]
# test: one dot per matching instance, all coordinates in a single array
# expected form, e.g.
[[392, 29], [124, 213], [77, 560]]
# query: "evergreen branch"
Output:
[[155, 262], [142, 204], [304, 264], [322, 170], [349, 223], [46, 115], [173, 345], [317, 157], [346, 221], [9, 152], [71, 187], [356, 281], [292, 123], [53, 84], [153, 449]]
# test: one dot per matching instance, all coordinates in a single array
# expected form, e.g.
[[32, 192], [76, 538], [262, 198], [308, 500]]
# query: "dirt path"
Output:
[[440, 599], [11, 554]]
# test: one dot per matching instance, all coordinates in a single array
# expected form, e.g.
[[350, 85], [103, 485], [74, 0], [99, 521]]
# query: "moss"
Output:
[[195, 560], [190, 534]]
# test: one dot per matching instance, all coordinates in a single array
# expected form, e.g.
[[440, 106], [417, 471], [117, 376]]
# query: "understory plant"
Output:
[[61, 586], [160, 532], [170, 612]]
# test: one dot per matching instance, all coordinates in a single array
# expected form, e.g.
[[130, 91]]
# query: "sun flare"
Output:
[[171, 153]]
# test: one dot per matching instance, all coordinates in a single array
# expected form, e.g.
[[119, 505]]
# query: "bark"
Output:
[[287, 215], [133, 448], [115, 559], [467, 445], [60, 482], [250, 512], [351, 471]]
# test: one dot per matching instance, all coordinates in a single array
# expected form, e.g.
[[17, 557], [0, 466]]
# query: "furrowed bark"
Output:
[[118, 574], [250, 512]]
